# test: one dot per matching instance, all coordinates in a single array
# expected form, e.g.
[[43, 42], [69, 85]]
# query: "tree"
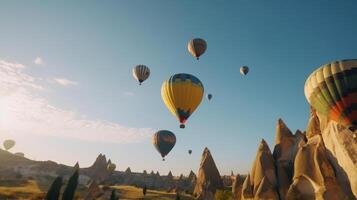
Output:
[[113, 196], [144, 190], [54, 191], [70, 190]]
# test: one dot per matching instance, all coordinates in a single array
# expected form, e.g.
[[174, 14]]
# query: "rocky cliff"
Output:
[[208, 179], [320, 163]]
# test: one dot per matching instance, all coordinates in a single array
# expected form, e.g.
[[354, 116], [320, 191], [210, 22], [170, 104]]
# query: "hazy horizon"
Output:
[[67, 92]]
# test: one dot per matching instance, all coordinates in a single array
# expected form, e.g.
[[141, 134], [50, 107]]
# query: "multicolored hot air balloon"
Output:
[[197, 47], [332, 91], [164, 141], [182, 93], [8, 144], [244, 70], [190, 151], [141, 73], [209, 97]]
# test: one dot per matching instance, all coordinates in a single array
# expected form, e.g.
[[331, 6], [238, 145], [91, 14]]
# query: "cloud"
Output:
[[65, 82], [39, 61], [24, 112]]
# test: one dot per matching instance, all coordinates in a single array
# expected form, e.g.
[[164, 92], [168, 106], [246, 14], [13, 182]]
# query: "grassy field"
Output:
[[130, 192], [30, 189]]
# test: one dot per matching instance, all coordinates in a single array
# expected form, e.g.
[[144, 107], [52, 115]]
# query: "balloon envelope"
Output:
[[197, 47], [332, 91], [164, 141], [244, 70], [182, 94], [8, 144], [111, 167], [141, 73]]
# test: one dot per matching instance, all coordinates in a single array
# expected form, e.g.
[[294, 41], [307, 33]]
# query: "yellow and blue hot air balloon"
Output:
[[164, 141], [332, 91], [182, 93]]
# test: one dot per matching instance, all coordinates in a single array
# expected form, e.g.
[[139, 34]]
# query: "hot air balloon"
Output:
[[332, 91], [182, 93], [190, 151], [197, 47], [8, 144], [141, 73], [164, 141], [244, 70], [20, 154], [209, 96], [111, 167]]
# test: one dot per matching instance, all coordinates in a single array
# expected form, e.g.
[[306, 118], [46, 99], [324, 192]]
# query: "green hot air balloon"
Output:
[[332, 91], [164, 141], [8, 144]]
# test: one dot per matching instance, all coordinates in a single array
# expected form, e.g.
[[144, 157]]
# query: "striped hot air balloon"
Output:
[[197, 47], [141, 73], [164, 141], [332, 91], [182, 94]]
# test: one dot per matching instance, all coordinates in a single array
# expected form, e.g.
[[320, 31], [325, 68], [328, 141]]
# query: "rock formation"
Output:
[[320, 163], [261, 183], [99, 170], [237, 187], [314, 177], [208, 179], [286, 147], [341, 147]]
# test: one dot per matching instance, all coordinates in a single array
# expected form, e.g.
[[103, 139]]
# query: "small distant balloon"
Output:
[[164, 141], [20, 154], [209, 96], [244, 70], [8, 144], [111, 167], [141, 73], [197, 47], [190, 151]]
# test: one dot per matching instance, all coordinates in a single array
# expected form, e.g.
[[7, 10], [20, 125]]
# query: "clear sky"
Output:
[[67, 93]]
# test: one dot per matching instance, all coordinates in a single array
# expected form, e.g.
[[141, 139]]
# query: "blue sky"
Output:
[[88, 49]]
